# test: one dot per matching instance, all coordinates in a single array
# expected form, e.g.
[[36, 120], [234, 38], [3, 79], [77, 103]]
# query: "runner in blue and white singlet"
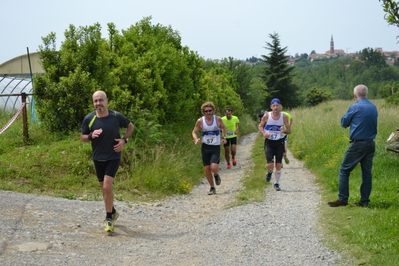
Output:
[[273, 127], [212, 128]]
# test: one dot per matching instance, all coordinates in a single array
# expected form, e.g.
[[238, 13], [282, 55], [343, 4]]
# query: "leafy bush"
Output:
[[316, 96], [142, 68], [392, 100]]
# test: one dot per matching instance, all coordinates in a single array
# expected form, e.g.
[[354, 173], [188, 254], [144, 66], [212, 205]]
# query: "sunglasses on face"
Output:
[[208, 111]]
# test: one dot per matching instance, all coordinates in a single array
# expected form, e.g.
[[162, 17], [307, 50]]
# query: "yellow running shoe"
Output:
[[109, 225]]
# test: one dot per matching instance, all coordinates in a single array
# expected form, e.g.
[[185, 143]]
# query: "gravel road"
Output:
[[193, 229]]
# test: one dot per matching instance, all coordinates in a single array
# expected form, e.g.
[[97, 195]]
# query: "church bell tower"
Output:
[[332, 45]]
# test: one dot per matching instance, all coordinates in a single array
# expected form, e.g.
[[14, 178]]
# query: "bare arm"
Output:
[[222, 128], [84, 138], [129, 130], [197, 127], [262, 124], [287, 125], [121, 142]]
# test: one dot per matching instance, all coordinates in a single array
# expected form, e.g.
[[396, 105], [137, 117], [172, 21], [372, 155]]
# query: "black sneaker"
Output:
[[277, 187], [217, 180], [268, 176], [212, 191]]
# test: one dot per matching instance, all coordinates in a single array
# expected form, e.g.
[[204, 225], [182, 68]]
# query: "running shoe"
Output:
[[228, 166], [212, 191], [268, 176], [234, 161], [115, 216], [217, 180], [276, 187], [109, 225], [286, 160]]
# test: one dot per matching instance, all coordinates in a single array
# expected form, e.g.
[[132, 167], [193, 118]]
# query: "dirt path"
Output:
[[193, 229]]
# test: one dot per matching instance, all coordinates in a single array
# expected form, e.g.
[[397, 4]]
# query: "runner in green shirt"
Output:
[[232, 128]]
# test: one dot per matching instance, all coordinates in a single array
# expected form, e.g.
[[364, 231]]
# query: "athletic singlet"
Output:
[[210, 133], [273, 127]]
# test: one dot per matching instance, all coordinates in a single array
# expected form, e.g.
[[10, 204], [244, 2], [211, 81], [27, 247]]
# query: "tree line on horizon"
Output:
[[148, 74]]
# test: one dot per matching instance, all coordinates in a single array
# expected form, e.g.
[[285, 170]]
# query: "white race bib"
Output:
[[230, 133]]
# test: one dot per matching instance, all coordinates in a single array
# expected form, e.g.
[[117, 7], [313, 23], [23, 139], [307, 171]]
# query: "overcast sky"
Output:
[[214, 28]]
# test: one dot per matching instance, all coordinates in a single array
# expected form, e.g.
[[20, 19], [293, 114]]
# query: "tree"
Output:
[[255, 95], [72, 74], [316, 96], [388, 89], [216, 87], [145, 71], [278, 74], [242, 77], [304, 56], [372, 57], [221, 84], [392, 10]]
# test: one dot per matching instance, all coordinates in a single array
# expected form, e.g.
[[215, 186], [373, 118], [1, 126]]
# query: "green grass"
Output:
[[368, 234], [254, 182], [60, 166]]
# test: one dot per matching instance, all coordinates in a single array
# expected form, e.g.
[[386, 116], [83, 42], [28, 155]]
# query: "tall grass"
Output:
[[60, 165], [368, 234]]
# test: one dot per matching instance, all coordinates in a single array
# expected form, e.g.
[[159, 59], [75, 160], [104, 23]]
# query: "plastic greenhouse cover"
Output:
[[13, 85]]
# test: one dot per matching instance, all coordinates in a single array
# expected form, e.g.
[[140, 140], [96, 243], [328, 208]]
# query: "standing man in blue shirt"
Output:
[[361, 117]]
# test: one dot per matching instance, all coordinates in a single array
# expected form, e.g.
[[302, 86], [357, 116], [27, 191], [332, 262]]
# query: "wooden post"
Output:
[[24, 118]]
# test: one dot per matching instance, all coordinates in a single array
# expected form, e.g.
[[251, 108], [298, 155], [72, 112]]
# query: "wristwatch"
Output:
[[126, 140]]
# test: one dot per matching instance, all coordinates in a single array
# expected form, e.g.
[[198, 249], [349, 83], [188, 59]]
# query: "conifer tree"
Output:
[[278, 75]]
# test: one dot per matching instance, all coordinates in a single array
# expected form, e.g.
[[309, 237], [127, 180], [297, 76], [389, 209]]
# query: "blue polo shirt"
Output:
[[361, 117]]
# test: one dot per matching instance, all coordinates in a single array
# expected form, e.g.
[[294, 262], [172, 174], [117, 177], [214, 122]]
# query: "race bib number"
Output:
[[274, 135], [230, 133], [209, 138], [274, 131]]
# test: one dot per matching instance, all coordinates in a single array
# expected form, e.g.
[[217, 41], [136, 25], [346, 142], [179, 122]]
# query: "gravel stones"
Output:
[[192, 229]]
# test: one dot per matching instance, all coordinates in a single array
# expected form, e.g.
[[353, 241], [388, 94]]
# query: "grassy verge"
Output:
[[253, 182], [61, 165], [368, 234]]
